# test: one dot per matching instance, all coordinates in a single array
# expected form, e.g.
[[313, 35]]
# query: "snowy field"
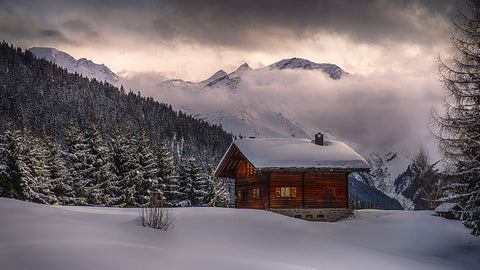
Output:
[[51, 237]]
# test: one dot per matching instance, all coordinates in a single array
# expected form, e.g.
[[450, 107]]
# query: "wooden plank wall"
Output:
[[245, 183], [326, 190], [286, 179], [320, 189], [312, 189]]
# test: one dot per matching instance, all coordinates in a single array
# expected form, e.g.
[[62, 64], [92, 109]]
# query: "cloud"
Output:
[[251, 24], [55, 35], [21, 23], [373, 113], [80, 25]]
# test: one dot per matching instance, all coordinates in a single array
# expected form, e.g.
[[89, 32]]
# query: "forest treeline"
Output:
[[124, 170]]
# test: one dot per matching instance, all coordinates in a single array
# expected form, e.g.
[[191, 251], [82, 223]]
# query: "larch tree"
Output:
[[458, 128]]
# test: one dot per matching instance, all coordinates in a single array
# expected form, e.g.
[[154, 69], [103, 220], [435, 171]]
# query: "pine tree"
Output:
[[11, 174], [38, 184], [127, 173], [194, 184], [201, 185], [97, 173], [166, 174], [58, 173], [458, 129], [219, 194], [148, 183], [75, 160], [185, 188], [24, 174]]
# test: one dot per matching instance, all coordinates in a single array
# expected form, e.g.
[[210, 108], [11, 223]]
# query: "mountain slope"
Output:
[[81, 66], [37, 95]]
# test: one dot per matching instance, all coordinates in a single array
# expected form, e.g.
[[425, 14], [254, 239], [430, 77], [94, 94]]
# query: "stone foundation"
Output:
[[321, 214]]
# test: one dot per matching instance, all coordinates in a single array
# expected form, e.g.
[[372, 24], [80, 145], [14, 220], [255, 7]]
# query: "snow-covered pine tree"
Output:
[[458, 129], [185, 187], [200, 183], [11, 177], [39, 187], [58, 173], [23, 174], [125, 167], [148, 183], [98, 174], [194, 183], [218, 195], [166, 174], [3, 166], [75, 151]]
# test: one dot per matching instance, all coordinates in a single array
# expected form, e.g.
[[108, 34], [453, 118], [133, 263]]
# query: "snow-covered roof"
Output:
[[301, 154], [447, 207]]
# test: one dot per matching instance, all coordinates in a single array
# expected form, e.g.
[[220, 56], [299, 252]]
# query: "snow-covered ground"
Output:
[[51, 237]]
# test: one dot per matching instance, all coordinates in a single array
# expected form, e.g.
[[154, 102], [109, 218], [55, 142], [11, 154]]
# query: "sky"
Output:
[[192, 39], [390, 47]]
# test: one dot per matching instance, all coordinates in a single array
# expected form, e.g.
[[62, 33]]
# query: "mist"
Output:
[[375, 113]]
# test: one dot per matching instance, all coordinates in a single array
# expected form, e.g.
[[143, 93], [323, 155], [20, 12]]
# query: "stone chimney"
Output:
[[319, 139]]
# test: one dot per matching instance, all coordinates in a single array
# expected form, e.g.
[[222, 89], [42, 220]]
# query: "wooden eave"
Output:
[[313, 169], [229, 162]]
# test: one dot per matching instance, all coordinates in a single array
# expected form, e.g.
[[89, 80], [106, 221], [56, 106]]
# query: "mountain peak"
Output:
[[82, 66], [332, 70], [216, 76], [243, 67]]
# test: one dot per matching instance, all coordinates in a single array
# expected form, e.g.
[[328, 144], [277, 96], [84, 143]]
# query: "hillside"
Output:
[[37, 94], [82, 66], [48, 237]]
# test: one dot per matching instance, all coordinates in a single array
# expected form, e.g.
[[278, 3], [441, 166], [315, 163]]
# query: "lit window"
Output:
[[249, 169], [256, 193], [286, 192]]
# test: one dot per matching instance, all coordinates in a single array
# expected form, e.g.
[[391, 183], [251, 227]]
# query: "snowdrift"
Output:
[[58, 237]]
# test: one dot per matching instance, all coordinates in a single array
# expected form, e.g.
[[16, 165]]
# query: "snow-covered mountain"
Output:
[[82, 66], [246, 124], [332, 70], [231, 80]]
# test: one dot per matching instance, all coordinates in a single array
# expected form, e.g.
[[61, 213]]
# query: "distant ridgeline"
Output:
[[40, 96], [71, 140]]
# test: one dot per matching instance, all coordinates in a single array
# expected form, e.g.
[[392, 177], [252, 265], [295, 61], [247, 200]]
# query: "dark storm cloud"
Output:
[[248, 23], [55, 35], [80, 25]]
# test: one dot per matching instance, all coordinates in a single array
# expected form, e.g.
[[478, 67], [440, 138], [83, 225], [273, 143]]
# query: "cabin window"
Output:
[[286, 192], [249, 170], [328, 193], [243, 195]]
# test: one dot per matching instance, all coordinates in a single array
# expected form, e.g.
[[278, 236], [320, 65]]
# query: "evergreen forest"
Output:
[[68, 139]]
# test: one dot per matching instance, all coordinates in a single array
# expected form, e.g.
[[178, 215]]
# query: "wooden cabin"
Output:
[[449, 210], [284, 173]]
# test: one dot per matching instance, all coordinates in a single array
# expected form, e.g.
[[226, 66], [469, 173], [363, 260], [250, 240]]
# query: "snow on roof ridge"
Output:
[[446, 207], [294, 153]]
